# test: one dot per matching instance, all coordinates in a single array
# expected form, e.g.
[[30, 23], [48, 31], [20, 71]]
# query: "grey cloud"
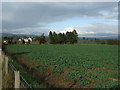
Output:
[[32, 15], [37, 31]]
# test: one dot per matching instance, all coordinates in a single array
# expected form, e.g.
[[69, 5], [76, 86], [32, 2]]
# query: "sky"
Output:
[[88, 18]]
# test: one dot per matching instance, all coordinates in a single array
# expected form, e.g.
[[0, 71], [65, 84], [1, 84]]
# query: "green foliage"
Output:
[[55, 38], [41, 70], [113, 41], [110, 84], [75, 37], [42, 39], [8, 38], [84, 82], [28, 77], [99, 41], [37, 38], [78, 58], [62, 38], [70, 37], [51, 37]]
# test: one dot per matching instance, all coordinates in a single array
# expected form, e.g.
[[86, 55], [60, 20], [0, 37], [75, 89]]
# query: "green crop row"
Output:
[[30, 79], [78, 58]]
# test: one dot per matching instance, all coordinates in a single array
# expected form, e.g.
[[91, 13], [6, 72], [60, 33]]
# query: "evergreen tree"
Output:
[[64, 38], [60, 38], [51, 37], [55, 38], [75, 37], [67, 37], [70, 37]]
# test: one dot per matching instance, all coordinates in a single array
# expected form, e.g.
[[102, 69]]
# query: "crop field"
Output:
[[72, 66]]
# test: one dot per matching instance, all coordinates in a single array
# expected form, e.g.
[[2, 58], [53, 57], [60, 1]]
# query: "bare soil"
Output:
[[101, 68], [53, 80], [94, 72], [89, 85]]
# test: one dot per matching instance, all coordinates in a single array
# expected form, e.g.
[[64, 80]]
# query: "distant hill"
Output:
[[16, 35], [6, 34], [98, 36]]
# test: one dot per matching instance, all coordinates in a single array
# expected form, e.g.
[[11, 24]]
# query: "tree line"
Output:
[[63, 38], [113, 41]]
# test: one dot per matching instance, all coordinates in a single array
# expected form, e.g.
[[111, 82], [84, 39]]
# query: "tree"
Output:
[[113, 41], [6, 38], [60, 38], [55, 38], [83, 38], [42, 39], [75, 37], [64, 38], [70, 37], [51, 37]]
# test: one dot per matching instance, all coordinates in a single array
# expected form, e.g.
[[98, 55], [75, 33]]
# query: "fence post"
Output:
[[0, 52], [6, 65], [17, 79], [0, 69], [0, 75], [2, 56]]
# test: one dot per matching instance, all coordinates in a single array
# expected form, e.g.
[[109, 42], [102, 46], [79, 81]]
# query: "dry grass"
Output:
[[8, 79]]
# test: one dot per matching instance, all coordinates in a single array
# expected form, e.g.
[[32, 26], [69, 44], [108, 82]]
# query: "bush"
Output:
[[113, 41], [99, 41]]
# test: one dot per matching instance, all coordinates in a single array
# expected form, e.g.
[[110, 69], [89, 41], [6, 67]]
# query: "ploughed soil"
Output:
[[53, 80], [101, 74], [49, 78]]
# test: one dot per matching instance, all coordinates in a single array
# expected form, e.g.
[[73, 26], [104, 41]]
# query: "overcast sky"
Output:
[[88, 18]]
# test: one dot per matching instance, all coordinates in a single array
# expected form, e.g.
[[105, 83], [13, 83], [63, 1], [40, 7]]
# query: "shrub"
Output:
[[113, 41]]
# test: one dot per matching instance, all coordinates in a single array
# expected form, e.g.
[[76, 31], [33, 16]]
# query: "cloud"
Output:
[[35, 31], [28, 16], [60, 1], [95, 29]]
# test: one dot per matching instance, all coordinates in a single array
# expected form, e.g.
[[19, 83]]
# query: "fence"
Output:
[[19, 80], [0, 69], [23, 82]]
